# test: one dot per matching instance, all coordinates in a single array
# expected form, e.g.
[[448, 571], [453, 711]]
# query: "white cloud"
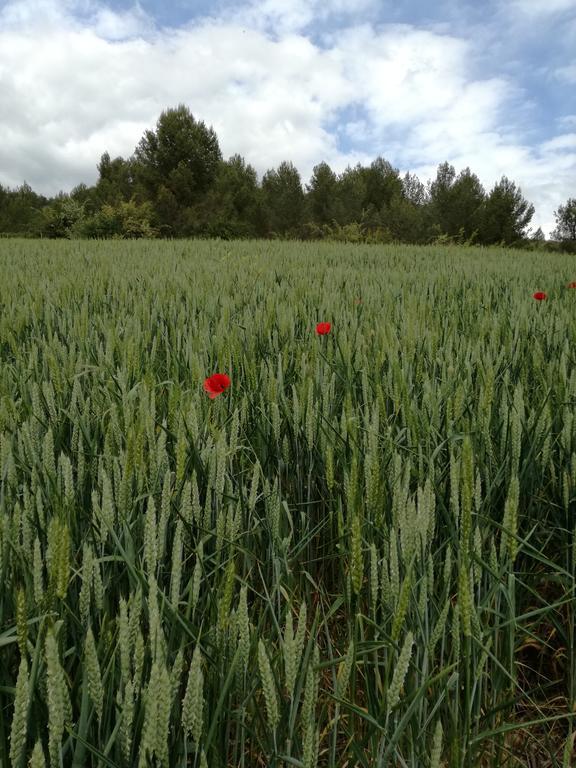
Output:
[[285, 16], [50, 15], [112, 25], [567, 73], [542, 7], [98, 79]]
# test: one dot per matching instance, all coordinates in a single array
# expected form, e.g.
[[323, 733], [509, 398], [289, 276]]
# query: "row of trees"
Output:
[[176, 184]]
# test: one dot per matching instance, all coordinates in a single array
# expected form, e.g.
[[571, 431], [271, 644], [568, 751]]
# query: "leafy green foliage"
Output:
[[176, 184], [20, 211], [283, 199], [506, 214], [566, 221], [182, 154], [63, 218], [322, 194]]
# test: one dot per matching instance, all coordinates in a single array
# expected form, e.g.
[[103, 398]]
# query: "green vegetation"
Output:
[[176, 184], [566, 221], [362, 553]]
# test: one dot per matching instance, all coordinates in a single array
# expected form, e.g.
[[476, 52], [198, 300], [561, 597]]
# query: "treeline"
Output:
[[176, 184]]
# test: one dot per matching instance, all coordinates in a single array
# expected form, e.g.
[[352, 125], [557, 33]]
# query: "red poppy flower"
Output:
[[572, 285], [216, 384], [323, 328], [539, 295]]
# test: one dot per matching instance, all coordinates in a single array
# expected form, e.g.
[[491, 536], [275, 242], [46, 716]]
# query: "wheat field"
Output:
[[362, 553]]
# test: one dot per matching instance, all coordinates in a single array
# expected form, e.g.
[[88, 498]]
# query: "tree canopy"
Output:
[[566, 221], [176, 184], [181, 155]]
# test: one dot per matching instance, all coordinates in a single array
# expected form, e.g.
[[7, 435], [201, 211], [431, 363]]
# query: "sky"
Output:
[[485, 84]]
